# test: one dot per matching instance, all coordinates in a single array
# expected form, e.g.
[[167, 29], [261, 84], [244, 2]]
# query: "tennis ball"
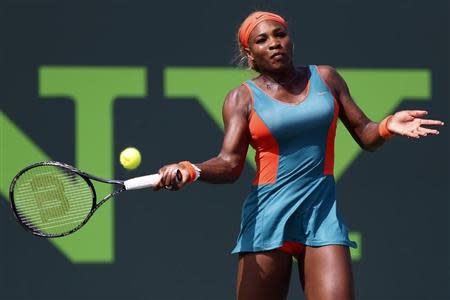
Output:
[[130, 158]]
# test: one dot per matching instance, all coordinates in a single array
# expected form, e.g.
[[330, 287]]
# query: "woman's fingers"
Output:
[[176, 181], [412, 133], [423, 131], [173, 182], [160, 183], [419, 132], [418, 113], [426, 131], [431, 122], [181, 177], [166, 180], [173, 177], [166, 177]]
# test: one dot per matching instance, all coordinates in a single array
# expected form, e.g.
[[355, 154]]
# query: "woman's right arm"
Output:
[[227, 166]]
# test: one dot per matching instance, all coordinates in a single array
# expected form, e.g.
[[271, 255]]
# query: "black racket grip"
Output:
[[179, 176]]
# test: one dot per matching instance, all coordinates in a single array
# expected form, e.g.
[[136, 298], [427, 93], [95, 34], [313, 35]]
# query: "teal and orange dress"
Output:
[[293, 196]]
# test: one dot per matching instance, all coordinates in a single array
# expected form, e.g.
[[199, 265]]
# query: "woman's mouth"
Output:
[[277, 55]]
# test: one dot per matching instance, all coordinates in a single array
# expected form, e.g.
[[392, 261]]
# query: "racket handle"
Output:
[[179, 176], [146, 181], [142, 182]]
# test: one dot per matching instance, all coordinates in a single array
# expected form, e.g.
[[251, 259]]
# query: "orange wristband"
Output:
[[192, 173], [383, 131]]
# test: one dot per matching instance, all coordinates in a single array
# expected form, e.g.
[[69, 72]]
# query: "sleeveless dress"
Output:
[[293, 196]]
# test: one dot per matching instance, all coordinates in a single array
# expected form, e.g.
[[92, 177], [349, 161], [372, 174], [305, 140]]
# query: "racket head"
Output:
[[52, 199]]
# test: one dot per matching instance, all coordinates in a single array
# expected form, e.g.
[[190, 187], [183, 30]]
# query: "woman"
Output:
[[289, 116]]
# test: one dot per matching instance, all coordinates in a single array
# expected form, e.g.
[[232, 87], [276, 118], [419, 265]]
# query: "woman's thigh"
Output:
[[326, 273], [263, 275]]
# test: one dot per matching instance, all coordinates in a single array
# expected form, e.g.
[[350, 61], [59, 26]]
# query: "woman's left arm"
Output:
[[368, 134]]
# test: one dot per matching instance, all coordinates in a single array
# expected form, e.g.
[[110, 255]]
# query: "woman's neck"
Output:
[[285, 77], [288, 79]]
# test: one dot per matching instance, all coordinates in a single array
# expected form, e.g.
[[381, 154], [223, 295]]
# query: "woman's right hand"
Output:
[[227, 166], [170, 177]]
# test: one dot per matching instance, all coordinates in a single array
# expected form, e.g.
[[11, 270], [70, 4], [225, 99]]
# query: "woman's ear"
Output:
[[250, 58], [248, 54]]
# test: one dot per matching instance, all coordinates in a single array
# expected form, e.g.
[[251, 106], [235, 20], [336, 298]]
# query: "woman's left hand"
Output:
[[409, 123]]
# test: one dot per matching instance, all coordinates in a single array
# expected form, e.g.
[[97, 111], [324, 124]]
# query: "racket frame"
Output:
[[87, 178]]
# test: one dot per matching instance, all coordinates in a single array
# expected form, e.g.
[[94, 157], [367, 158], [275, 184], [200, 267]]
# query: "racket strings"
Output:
[[52, 200]]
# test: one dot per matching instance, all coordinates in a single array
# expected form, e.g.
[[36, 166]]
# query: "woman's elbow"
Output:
[[370, 147], [234, 172]]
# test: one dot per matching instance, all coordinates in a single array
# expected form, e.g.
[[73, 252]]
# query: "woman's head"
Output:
[[264, 42]]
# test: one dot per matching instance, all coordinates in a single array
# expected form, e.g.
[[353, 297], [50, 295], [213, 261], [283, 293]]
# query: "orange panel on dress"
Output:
[[267, 151], [329, 154]]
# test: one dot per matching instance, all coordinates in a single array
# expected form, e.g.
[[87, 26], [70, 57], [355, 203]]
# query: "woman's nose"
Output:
[[274, 43]]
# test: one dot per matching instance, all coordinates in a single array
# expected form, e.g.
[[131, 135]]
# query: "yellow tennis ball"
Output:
[[130, 158]]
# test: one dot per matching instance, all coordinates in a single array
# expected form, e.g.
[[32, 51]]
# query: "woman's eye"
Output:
[[281, 34], [260, 41]]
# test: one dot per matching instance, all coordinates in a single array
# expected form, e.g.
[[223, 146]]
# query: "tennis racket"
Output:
[[53, 199]]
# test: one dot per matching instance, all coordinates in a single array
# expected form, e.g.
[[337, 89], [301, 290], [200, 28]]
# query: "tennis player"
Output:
[[289, 114]]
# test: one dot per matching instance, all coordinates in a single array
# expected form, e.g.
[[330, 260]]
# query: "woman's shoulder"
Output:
[[326, 71], [330, 75], [240, 94], [239, 99]]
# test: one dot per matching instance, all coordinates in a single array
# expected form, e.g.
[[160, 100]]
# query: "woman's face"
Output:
[[270, 47]]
